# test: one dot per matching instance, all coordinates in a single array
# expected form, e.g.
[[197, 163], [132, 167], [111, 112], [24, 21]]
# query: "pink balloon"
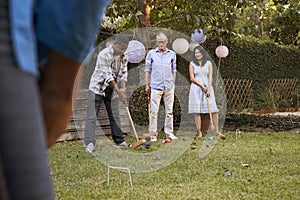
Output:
[[222, 51]]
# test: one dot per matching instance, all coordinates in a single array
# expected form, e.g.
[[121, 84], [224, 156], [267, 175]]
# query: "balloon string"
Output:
[[219, 64], [133, 36], [217, 82]]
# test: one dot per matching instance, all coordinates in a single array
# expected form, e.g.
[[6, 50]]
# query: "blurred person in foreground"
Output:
[[35, 107]]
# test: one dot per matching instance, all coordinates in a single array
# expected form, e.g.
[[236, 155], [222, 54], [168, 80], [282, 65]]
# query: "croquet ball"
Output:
[[147, 145], [167, 140], [227, 173], [210, 138]]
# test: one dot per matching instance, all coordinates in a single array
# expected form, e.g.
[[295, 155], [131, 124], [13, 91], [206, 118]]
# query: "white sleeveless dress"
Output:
[[197, 98]]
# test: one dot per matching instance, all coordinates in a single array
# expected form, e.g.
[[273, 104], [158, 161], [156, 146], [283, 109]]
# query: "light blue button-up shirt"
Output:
[[161, 66], [67, 26]]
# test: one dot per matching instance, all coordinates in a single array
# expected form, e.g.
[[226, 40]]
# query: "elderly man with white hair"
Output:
[[160, 75]]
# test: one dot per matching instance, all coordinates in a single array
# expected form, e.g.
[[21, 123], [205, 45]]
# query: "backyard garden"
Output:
[[257, 84]]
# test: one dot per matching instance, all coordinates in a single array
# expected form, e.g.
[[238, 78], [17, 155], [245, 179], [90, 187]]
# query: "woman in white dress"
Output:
[[201, 89]]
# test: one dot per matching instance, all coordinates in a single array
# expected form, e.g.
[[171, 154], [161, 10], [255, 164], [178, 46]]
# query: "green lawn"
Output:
[[263, 166]]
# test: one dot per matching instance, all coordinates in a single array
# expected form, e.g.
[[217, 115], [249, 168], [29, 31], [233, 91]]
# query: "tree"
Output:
[[275, 20], [285, 27]]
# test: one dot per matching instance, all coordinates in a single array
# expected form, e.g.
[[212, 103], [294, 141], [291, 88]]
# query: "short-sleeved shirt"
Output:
[[67, 26], [161, 66]]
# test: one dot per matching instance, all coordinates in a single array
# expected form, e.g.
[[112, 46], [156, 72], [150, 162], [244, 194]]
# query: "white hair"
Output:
[[161, 35]]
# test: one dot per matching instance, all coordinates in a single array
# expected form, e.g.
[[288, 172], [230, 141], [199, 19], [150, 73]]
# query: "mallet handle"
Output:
[[210, 116], [132, 125]]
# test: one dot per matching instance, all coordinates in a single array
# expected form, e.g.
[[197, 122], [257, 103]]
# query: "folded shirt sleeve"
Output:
[[69, 26]]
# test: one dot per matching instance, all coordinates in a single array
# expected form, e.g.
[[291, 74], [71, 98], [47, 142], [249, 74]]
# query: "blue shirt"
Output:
[[161, 66], [69, 27]]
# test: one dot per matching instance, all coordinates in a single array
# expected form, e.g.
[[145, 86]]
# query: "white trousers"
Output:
[[168, 97]]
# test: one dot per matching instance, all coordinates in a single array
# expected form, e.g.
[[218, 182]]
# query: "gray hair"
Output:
[[161, 35]]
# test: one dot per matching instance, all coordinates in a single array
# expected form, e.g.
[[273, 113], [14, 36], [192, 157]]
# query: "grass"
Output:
[[263, 166]]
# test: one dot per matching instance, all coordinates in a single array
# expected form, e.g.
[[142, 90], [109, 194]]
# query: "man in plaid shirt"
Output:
[[110, 71]]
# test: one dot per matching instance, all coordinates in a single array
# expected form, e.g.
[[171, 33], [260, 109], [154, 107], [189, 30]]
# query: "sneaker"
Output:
[[90, 148], [153, 138], [122, 144], [171, 136]]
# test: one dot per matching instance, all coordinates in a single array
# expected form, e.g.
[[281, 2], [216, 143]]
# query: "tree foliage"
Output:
[[275, 20]]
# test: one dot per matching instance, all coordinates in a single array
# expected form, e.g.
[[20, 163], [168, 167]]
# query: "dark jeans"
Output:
[[95, 101]]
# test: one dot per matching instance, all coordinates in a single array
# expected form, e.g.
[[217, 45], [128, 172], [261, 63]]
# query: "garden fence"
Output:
[[238, 93]]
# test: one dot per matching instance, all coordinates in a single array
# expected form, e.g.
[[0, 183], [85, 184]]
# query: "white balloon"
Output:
[[180, 45]]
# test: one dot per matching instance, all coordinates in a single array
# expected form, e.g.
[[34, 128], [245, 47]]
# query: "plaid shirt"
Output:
[[108, 67]]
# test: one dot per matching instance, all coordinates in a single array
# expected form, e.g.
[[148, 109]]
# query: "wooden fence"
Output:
[[283, 88], [238, 93]]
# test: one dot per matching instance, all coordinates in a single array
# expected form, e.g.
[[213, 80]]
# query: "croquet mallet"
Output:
[[210, 115], [138, 141]]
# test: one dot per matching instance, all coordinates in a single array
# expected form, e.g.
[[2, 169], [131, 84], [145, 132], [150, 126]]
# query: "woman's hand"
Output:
[[204, 89], [207, 93]]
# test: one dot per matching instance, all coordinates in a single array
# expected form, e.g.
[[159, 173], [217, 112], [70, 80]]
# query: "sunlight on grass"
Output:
[[262, 166]]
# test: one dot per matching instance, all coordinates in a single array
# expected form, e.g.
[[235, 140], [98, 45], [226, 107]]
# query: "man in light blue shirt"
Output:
[[160, 76]]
